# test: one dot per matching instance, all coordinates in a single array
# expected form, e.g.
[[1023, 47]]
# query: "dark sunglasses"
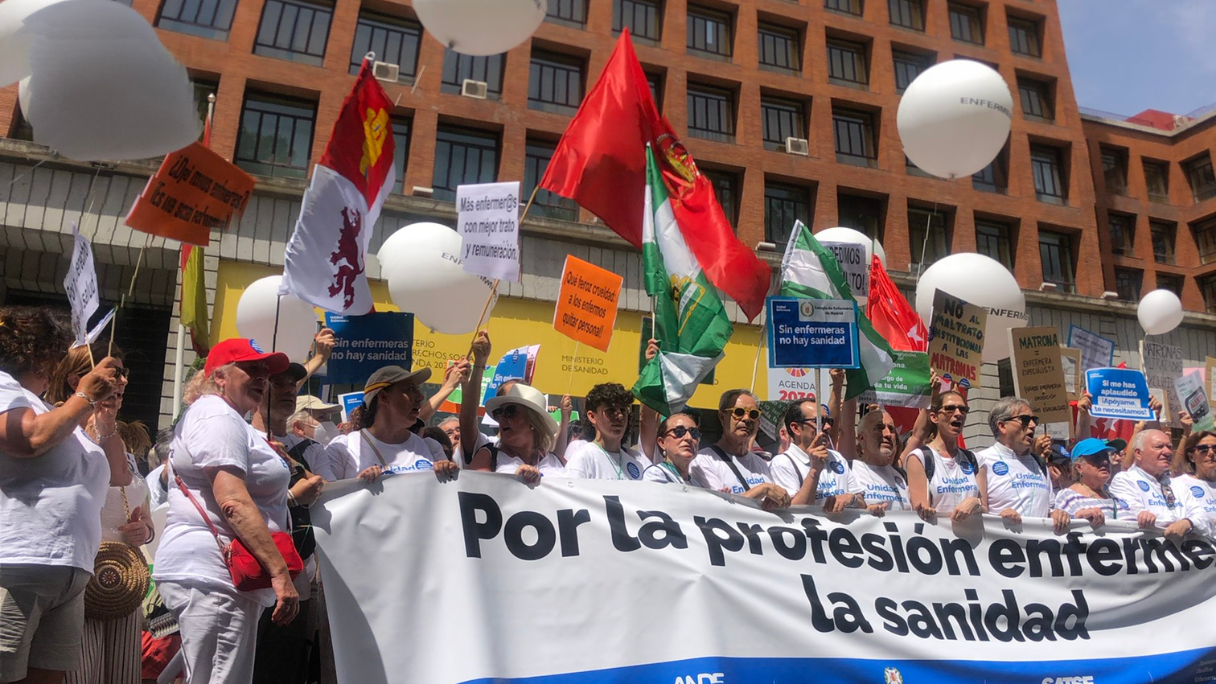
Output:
[[739, 412], [955, 407], [1024, 420], [826, 422], [679, 432], [509, 411], [122, 371], [1203, 449]]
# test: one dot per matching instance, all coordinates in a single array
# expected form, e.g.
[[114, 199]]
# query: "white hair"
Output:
[[1142, 437], [301, 416]]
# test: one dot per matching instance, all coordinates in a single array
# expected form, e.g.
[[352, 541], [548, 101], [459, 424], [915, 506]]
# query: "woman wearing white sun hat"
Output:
[[526, 434]]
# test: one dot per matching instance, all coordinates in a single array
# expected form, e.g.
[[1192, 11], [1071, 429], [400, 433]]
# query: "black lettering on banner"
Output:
[[546, 536], [474, 532], [728, 540], [661, 533], [621, 539], [567, 524]]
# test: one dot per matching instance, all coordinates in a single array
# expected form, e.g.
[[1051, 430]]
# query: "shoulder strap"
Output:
[[797, 470], [733, 468], [970, 459], [206, 518], [927, 460], [1042, 465], [493, 457], [297, 451], [374, 449]]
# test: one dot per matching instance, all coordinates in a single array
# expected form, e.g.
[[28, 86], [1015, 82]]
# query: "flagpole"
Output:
[[494, 287], [179, 356], [130, 292], [759, 347]]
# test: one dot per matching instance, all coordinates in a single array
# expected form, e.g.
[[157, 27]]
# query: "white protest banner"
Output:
[[595, 581], [1195, 400], [1162, 365], [1096, 351], [97, 329], [489, 225], [853, 263], [81, 285]]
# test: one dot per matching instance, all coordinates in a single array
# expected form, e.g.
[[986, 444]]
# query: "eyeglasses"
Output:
[[954, 407], [739, 412], [1024, 420], [1206, 451], [826, 422], [122, 371], [508, 412], [679, 431]]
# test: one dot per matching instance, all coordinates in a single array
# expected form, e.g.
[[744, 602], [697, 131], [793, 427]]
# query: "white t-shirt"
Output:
[[709, 471], [791, 468], [1016, 482], [1142, 492], [661, 474], [550, 465], [954, 481], [589, 461], [157, 493], [882, 485], [113, 513], [1198, 498], [348, 455], [50, 506], [313, 453], [211, 436]]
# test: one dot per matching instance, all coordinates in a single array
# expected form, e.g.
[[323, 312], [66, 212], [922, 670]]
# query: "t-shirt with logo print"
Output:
[[348, 455], [882, 484], [791, 468], [709, 471], [1016, 482], [589, 461], [954, 480], [1143, 492], [1195, 494]]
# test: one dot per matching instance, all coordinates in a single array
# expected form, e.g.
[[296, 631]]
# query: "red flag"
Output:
[[891, 314]]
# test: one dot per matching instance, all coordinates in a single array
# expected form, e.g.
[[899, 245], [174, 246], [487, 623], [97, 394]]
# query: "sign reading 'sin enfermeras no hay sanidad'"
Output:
[[956, 339], [812, 333]]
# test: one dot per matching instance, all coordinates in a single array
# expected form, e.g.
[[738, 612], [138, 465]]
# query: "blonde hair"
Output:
[[203, 384], [545, 441]]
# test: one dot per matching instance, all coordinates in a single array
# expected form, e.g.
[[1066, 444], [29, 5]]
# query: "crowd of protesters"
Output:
[[248, 456]]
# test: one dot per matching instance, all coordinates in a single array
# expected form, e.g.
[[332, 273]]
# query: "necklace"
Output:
[[616, 463]]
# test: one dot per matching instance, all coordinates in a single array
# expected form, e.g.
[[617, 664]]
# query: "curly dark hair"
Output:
[[612, 394], [32, 339]]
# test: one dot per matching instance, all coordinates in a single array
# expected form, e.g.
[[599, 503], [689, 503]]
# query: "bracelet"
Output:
[[82, 395], [291, 499], [151, 534]]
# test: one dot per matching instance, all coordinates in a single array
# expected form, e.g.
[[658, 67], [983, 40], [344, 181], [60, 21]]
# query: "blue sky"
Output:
[[1130, 55]]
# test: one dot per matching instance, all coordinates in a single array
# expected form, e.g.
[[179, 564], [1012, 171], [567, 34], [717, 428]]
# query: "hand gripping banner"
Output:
[[484, 579]]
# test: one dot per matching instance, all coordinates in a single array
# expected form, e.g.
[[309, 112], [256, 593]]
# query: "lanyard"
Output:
[[672, 469], [620, 456]]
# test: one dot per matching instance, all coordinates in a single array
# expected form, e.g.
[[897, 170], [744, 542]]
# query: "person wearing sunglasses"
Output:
[[882, 482], [1019, 483], [1149, 491], [730, 465], [1088, 497], [944, 478], [526, 434], [1195, 484], [392, 398], [808, 470], [678, 441]]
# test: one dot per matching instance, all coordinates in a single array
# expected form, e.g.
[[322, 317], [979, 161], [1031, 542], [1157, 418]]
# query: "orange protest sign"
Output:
[[586, 303], [194, 191]]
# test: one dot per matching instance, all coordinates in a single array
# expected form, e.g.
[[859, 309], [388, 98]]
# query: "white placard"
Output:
[[81, 285], [852, 258], [488, 224], [1162, 364]]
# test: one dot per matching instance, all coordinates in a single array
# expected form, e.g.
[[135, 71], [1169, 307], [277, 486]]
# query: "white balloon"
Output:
[[422, 265], [1160, 311], [981, 281], [23, 97], [14, 40], [954, 118], [481, 27], [255, 319], [140, 103]]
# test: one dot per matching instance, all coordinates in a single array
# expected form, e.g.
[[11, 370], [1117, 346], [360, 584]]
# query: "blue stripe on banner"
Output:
[[1166, 668]]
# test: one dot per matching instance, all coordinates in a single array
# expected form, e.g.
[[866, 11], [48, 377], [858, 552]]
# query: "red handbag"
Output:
[[246, 570]]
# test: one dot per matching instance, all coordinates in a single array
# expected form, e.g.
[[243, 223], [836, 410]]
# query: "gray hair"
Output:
[[1142, 437], [163, 446], [1002, 411], [447, 420], [301, 416]]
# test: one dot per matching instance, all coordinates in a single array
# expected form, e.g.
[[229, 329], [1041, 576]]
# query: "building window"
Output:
[[395, 41], [570, 12], [913, 170], [202, 89], [1172, 283], [995, 176], [1114, 170], [1205, 240], [458, 68], [1163, 234], [994, 240], [643, 18], [783, 205], [1199, 174], [1036, 99], [1127, 283], [275, 137], [1048, 171], [1122, 229], [908, 65], [726, 189], [655, 82], [294, 30], [204, 18], [844, 6], [907, 13], [463, 156], [1207, 287], [555, 83], [22, 130], [847, 63], [1157, 178], [711, 113], [863, 214], [401, 151], [966, 24], [709, 31], [537, 156], [781, 119], [854, 137], [779, 47], [1055, 253], [927, 236], [1024, 37]]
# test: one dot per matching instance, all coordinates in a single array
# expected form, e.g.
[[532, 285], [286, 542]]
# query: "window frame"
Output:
[[1062, 245], [1204, 232], [546, 204], [777, 32], [855, 7], [974, 17], [273, 50], [373, 22], [937, 223], [1058, 176], [576, 8], [860, 118], [909, 60], [1126, 231], [849, 207], [210, 30], [471, 64], [268, 102], [1207, 288], [1164, 174], [1114, 169], [771, 190], [1206, 188], [1165, 235], [998, 169], [401, 152], [726, 106], [618, 23], [718, 178], [544, 62], [914, 11], [781, 106], [1033, 42], [1170, 281], [1136, 285], [999, 233], [443, 192], [707, 16], [1037, 99], [860, 62]]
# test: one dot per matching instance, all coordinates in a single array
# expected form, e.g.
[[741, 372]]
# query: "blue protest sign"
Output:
[[365, 343], [349, 401], [812, 333], [1120, 393]]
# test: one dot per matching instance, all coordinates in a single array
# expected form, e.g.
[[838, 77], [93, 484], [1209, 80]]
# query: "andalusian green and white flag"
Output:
[[809, 269], [690, 322]]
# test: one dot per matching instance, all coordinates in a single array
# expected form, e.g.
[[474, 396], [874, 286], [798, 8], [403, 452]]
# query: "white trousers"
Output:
[[218, 627]]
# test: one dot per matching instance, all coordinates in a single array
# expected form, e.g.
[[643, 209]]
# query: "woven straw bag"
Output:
[[120, 579]]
